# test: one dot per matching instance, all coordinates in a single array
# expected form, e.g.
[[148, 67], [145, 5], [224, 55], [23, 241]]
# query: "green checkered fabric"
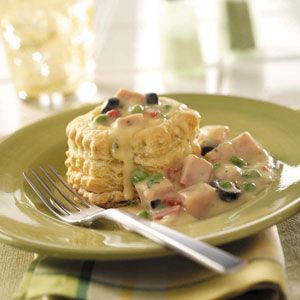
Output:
[[160, 278]]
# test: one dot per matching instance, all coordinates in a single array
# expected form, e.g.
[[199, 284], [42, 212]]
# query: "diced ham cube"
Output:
[[130, 96], [246, 147], [198, 199], [229, 172], [245, 144], [223, 152], [130, 120], [262, 155], [214, 134], [195, 170], [155, 191], [158, 190]]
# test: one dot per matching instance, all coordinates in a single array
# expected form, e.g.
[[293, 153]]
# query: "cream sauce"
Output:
[[228, 171], [121, 136], [123, 129]]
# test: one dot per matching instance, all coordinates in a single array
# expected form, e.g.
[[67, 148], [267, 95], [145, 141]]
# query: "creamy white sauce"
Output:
[[122, 133], [123, 129], [228, 171], [121, 137]]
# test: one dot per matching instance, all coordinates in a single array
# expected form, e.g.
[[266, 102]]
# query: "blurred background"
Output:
[[238, 47], [58, 54]]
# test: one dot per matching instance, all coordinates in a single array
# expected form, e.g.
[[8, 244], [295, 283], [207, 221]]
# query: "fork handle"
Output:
[[213, 258]]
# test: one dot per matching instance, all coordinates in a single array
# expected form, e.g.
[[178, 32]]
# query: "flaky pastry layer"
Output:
[[96, 174]]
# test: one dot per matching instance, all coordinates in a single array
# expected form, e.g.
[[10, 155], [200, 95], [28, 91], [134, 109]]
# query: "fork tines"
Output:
[[49, 185]]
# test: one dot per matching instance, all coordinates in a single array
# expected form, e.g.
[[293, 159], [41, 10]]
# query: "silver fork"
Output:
[[85, 213]]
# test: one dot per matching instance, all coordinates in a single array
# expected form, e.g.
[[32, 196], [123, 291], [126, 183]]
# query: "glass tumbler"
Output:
[[49, 45]]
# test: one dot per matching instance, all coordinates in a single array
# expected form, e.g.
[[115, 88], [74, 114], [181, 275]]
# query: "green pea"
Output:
[[167, 107], [249, 186], [139, 175], [251, 174], [238, 161], [137, 109], [144, 214], [101, 119], [225, 184], [154, 178], [216, 166]]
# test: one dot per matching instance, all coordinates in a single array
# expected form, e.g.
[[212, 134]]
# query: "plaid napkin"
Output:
[[161, 278]]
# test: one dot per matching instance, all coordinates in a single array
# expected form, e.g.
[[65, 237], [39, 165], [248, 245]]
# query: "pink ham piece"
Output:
[[245, 145], [130, 120], [198, 199], [130, 96], [156, 191], [195, 170], [223, 152], [167, 211]]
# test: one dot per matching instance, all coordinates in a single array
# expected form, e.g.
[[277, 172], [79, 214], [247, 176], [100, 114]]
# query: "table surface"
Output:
[[131, 52]]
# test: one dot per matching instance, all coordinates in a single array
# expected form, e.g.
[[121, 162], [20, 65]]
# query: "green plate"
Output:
[[25, 223]]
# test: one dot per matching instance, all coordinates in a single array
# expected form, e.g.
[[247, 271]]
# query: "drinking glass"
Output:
[[49, 45]]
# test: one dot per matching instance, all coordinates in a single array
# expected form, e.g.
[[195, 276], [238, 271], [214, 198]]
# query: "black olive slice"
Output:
[[111, 103], [155, 203], [227, 194], [151, 98], [207, 146], [206, 149]]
